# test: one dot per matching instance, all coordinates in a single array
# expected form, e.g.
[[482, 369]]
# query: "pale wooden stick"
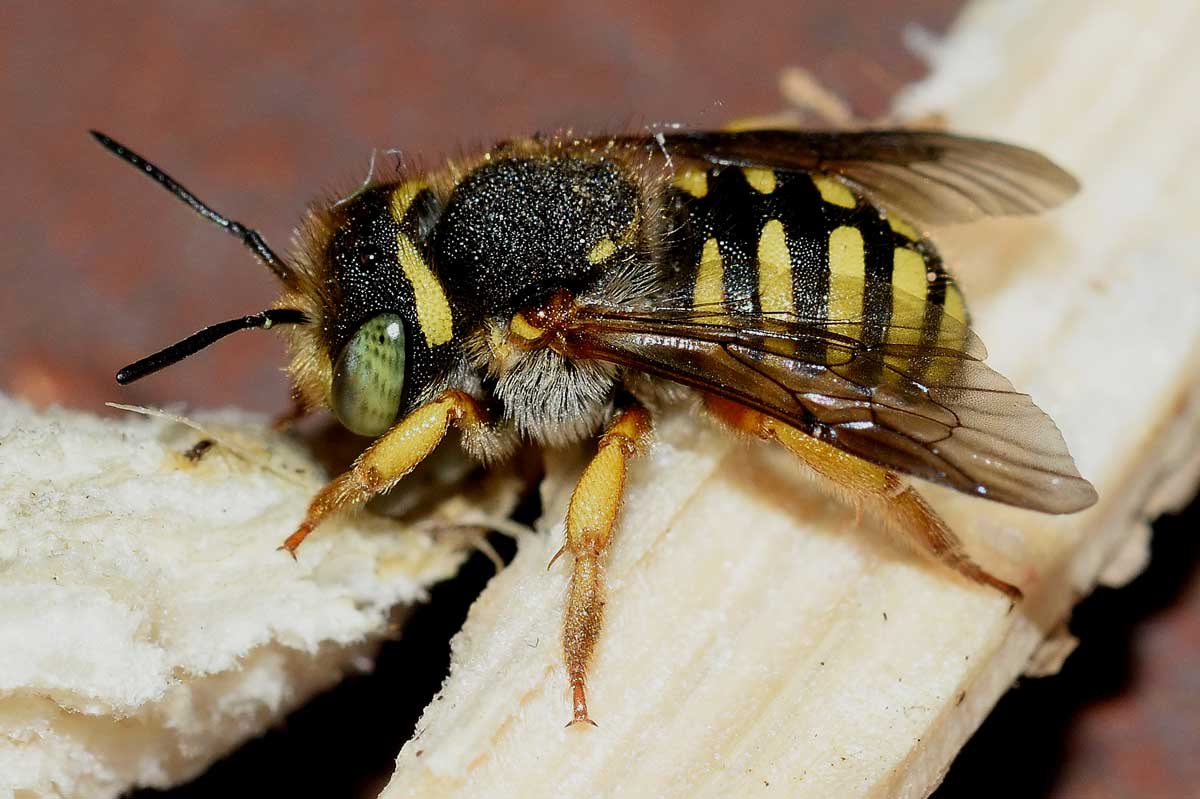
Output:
[[755, 640], [147, 623]]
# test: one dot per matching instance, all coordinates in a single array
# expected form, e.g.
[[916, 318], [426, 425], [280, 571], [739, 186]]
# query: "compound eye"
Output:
[[368, 376]]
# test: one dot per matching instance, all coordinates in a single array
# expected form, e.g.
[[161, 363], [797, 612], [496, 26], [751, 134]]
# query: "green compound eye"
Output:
[[368, 377]]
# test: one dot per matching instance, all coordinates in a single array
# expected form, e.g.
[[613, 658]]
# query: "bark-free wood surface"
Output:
[[756, 642]]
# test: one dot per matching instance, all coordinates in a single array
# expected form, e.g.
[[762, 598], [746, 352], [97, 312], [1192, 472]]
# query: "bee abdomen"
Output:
[[793, 245]]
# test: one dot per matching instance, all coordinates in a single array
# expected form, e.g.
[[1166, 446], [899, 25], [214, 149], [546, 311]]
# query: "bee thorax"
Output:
[[552, 400]]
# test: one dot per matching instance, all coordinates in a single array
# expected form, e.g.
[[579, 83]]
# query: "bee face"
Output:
[[385, 324]]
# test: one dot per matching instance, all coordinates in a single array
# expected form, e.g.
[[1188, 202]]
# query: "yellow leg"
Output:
[[396, 453], [591, 517], [865, 481]]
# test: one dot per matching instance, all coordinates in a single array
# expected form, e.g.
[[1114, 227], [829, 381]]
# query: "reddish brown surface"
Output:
[[260, 109]]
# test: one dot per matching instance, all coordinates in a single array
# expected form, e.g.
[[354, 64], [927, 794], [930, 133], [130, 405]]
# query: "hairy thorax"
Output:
[[519, 242], [540, 393]]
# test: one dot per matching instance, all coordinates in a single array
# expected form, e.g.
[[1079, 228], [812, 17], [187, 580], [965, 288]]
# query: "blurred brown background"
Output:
[[261, 109]]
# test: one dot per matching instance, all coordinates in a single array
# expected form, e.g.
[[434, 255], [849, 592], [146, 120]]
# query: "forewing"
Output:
[[922, 405], [926, 177]]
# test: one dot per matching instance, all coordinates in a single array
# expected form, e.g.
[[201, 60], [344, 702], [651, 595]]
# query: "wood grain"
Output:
[[757, 642]]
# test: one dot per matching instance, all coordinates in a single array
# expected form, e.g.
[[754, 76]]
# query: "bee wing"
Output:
[[926, 177], [930, 409]]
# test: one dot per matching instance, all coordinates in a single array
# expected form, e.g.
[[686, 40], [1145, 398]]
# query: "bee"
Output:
[[560, 289]]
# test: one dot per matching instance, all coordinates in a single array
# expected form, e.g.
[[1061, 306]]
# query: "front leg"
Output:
[[393, 455], [591, 517]]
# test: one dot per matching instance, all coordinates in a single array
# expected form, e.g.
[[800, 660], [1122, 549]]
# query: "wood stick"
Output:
[[757, 641]]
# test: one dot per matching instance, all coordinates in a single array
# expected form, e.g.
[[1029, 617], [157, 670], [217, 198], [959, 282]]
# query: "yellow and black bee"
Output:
[[557, 289]]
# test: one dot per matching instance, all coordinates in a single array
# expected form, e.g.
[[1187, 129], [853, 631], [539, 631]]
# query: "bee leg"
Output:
[[865, 482], [591, 517], [393, 455]]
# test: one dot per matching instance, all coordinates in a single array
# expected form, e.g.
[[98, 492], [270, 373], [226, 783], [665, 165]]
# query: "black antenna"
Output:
[[201, 339], [251, 238]]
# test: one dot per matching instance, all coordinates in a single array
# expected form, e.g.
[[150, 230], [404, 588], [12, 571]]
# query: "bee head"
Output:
[[383, 328], [370, 326]]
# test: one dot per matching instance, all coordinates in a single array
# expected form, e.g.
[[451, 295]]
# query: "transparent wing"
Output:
[[926, 177], [919, 402]]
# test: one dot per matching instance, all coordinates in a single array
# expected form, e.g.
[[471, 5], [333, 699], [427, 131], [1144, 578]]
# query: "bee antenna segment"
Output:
[[202, 338], [250, 237]]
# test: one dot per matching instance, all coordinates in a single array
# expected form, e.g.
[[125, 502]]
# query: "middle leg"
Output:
[[591, 518]]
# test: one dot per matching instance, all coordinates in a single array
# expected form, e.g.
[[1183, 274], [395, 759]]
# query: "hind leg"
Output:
[[867, 483]]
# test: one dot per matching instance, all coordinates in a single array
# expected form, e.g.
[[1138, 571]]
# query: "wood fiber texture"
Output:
[[756, 642]]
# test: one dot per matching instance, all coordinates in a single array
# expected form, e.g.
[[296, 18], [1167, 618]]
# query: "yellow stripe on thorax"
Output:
[[774, 270], [601, 251], [709, 291], [433, 309], [525, 329]]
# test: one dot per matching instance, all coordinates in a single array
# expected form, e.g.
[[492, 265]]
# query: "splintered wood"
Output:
[[758, 641]]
